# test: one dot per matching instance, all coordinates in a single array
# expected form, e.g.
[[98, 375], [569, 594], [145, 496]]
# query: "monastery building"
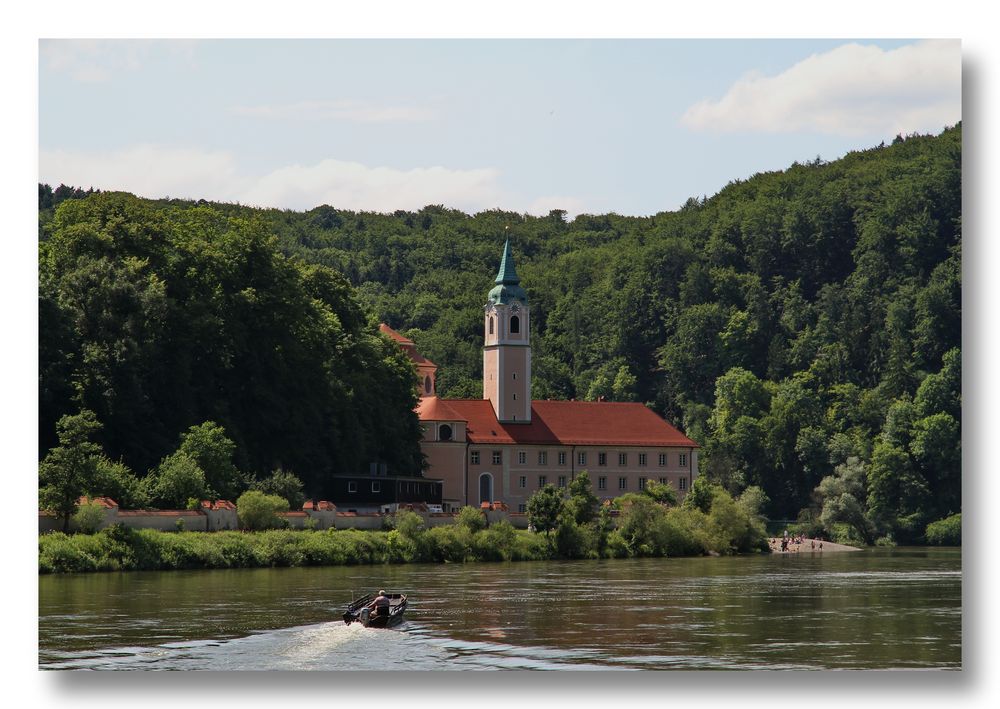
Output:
[[505, 446]]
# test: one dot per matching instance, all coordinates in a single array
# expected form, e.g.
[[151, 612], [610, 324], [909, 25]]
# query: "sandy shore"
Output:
[[808, 546]]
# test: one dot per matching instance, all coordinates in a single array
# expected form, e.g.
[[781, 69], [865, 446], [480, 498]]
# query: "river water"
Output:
[[882, 608]]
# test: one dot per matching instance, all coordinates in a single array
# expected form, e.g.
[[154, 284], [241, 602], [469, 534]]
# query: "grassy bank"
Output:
[[643, 530]]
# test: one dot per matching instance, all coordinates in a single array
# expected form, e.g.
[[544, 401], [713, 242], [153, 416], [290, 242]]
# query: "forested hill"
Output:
[[789, 323]]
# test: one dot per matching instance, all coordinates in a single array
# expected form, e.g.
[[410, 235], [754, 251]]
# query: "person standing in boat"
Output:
[[381, 604]]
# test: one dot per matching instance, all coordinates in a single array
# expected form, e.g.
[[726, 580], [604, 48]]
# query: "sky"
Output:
[[633, 126]]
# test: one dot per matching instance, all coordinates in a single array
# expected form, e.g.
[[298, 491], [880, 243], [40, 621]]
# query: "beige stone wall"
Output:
[[348, 520], [446, 461]]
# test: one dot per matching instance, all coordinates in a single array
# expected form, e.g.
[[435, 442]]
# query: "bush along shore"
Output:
[[709, 521]]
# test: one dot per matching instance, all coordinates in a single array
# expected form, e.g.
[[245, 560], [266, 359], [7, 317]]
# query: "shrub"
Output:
[[945, 532], [60, 553], [257, 511], [451, 543], [88, 518], [471, 518]]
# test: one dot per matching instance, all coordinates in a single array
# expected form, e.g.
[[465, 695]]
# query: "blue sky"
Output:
[[631, 126]]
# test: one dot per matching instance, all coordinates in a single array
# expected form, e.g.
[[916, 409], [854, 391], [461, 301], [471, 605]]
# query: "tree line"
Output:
[[804, 326]]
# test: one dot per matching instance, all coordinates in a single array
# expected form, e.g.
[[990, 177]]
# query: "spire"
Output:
[[507, 289], [507, 275]]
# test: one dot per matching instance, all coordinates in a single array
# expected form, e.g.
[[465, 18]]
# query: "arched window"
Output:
[[491, 325], [515, 324], [444, 432], [428, 387], [486, 488]]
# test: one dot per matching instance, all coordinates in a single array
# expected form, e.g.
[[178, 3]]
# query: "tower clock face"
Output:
[[515, 307]]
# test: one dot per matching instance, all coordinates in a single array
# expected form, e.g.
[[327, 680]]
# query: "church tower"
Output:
[[507, 348]]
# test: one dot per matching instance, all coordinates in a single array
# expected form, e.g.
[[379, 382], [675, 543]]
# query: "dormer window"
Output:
[[444, 432]]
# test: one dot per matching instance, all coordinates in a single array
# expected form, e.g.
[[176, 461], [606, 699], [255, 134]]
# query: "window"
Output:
[[682, 459], [623, 459], [376, 486], [522, 481], [682, 484], [515, 397], [562, 459], [602, 483], [474, 457], [491, 325], [513, 375], [664, 481], [515, 324], [642, 459], [543, 458], [623, 483], [522, 508], [427, 385], [562, 481], [663, 459], [444, 432], [522, 458], [541, 481], [642, 483], [602, 458], [352, 487], [581, 459], [496, 457]]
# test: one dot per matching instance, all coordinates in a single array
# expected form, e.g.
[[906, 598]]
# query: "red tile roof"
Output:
[[320, 505], [431, 408], [406, 344], [386, 330], [568, 423]]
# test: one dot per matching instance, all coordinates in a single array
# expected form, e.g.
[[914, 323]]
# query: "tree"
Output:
[[209, 447], [177, 479], [114, 479], [284, 484], [69, 469], [544, 508], [662, 493], [257, 511], [841, 499], [701, 494], [582, 503]]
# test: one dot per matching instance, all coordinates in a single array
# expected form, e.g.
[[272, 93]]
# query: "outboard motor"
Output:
[[365, 614]]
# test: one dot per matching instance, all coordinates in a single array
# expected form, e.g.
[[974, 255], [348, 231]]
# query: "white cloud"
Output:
[[99, 60], [851, 90], [355, 186], [346, 109], [146, 170], [158, 171]]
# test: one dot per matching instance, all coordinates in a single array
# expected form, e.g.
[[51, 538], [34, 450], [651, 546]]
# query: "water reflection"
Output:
[[873, 609]]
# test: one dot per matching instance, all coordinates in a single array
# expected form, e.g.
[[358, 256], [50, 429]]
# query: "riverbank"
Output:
[[680, 532], [808, 546]]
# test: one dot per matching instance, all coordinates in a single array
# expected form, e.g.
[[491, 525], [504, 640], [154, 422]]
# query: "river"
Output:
[[872, 609]]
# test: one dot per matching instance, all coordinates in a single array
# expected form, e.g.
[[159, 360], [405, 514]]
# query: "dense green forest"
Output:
[[803, 326]]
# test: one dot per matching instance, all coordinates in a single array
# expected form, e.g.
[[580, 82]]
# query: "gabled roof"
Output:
[[568, 423]]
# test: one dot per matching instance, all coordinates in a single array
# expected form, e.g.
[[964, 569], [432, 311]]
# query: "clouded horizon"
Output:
[[627, 126]]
